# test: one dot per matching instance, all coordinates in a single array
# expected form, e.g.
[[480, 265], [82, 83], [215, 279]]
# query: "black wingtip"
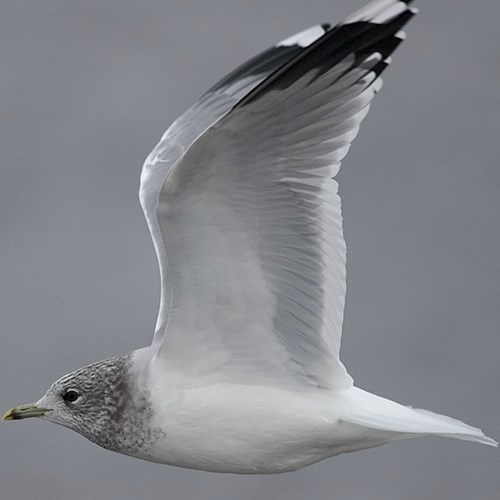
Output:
[[359, 38]]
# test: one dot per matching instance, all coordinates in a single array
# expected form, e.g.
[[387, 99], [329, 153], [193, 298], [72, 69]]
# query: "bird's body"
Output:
[[254, 430], [250, 428], [244, 373]]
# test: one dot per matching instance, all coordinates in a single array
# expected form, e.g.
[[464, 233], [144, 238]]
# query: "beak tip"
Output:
[[8, 415]]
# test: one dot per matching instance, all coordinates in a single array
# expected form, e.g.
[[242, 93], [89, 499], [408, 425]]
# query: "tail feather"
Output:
[[464, 432], [369, 410]]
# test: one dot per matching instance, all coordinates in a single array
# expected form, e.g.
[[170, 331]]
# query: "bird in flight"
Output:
[[243, 374]]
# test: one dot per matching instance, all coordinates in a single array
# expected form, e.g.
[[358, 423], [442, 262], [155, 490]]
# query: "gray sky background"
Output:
[[86, 90]]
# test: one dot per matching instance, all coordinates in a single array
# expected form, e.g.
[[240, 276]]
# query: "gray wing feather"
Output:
[[251, 221]]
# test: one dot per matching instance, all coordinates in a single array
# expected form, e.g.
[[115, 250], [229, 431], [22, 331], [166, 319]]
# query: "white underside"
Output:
[[259, 429], [247, 429]]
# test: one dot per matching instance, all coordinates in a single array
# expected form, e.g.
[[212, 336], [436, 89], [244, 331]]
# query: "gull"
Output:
[[243, 374]]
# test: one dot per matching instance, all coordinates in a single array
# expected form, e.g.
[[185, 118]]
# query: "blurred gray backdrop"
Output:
[[86, 90]]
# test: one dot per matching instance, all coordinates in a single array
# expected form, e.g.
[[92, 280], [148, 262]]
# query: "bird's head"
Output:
[[90, 400]]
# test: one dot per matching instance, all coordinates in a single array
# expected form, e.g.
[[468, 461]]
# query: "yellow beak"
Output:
[[24, 411]]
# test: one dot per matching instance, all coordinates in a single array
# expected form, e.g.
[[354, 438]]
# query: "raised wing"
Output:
[[214, 104], [250, 217]]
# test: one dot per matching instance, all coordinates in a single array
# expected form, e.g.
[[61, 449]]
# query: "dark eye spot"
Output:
[[70, 396]]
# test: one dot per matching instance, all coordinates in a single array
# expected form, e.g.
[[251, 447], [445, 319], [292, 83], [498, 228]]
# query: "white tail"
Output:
[[368, 410]]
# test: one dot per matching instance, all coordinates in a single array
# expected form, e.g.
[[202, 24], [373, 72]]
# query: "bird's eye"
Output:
[[70, 396]]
